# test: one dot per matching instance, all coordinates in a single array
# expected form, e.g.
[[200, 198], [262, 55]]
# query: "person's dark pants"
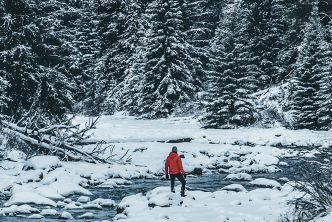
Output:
[[180, 178]]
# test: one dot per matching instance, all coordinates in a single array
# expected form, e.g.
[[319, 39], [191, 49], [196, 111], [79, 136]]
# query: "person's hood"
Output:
[[173, 155]]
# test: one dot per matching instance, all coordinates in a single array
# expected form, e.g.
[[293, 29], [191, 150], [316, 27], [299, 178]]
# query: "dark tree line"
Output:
[[153, 58]]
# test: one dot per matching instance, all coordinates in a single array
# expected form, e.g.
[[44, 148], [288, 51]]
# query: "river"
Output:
[[206, 182]]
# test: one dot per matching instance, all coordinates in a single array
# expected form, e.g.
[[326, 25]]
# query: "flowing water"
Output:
[[205, 182]]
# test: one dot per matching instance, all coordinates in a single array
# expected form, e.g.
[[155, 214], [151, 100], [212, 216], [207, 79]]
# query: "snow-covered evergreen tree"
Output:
[[324, 94], [28, 48], [200, 21], [274, 28], [313, 61], [229, 85], [17, 58], [126, 26], [166, 75]]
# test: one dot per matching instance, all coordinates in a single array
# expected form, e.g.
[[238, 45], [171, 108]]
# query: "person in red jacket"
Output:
[[173, 166]]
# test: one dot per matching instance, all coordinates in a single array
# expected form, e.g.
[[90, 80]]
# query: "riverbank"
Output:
[[256, 159]]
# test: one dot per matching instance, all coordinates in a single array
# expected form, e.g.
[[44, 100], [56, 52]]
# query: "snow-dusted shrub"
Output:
[[315, 187]]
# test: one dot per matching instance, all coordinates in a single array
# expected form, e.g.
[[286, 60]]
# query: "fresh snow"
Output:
[[45, 180]]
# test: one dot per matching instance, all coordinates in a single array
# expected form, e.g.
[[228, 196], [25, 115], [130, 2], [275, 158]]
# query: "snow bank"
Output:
[[128, 129]]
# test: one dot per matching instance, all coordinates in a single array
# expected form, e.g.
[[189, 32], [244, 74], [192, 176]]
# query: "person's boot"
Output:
[[173, 190], [182, 193]]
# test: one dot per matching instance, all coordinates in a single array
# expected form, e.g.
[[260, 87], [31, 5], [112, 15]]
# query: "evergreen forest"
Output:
[[158, 58]]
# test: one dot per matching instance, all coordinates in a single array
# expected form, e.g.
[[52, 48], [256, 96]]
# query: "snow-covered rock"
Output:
[[61, 204], [283, 179], [239, 176], [234, 187], [42, 162], [284, 164], [66, 215], [26, 209], [266, 159], [8, 210], [72, 206], [262, 182], [28, 176], [36, 216], [135, 203], [6, 182], [67, 188], [29, 197], [165, 199], [91, 206], [104, 202], [110, 183], [83, 199], [49, 212]]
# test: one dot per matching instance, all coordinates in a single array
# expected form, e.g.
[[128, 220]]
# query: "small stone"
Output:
[[198, 171]]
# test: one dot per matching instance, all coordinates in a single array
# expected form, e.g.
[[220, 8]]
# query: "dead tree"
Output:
[[62, 139]]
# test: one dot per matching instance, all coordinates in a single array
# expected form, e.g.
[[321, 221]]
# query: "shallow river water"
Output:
[[207, 182]]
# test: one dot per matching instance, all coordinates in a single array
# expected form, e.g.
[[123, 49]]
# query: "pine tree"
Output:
[[118, 55], [229, 86], [27, 51], [200, 21], [167, 76], [324, 94], [312, 63], [274, 28], [17, 61]]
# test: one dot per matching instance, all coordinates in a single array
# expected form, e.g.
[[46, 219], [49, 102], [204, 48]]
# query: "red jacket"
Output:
[[174, 163]]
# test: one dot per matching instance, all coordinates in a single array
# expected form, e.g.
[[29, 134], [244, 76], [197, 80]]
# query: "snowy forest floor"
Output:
[[245, 158]]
